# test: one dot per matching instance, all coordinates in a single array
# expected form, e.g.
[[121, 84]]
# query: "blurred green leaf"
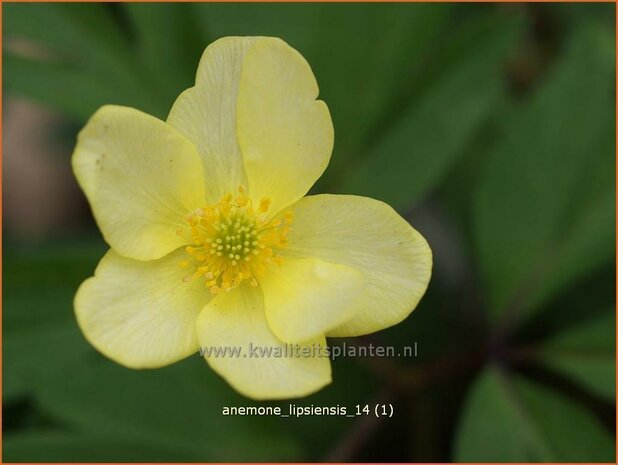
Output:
[[40, 335], [38, 354], [176, 407], [506, 420], [76, 90], [75, 57], [572, 14], [79, 32], [587, 243], [360, 82], [168, 42], [54, 271], [13, 386], [68, 88], [60, 446], [542, 218], [587, 353], [418, 150]]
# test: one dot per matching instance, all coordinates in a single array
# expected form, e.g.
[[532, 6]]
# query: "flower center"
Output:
[[233, 242]]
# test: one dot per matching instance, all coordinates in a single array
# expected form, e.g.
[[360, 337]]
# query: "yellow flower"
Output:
[[213, 243]]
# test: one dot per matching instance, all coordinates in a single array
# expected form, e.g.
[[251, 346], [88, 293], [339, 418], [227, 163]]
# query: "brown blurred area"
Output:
[[40, 195]]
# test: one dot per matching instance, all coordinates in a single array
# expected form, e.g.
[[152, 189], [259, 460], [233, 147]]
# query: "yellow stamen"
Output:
[[233, 242]]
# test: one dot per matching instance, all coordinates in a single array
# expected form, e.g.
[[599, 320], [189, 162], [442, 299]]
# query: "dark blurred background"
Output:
[[491, 127]]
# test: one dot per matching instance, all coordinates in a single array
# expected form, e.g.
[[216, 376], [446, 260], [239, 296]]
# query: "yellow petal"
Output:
[[141, 314], [206, 114], [236, 319], [304, 298], [370, 236], [141, 177], [285, 134]]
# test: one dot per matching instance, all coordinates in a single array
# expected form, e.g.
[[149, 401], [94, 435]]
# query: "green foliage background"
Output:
[[490, 127]]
